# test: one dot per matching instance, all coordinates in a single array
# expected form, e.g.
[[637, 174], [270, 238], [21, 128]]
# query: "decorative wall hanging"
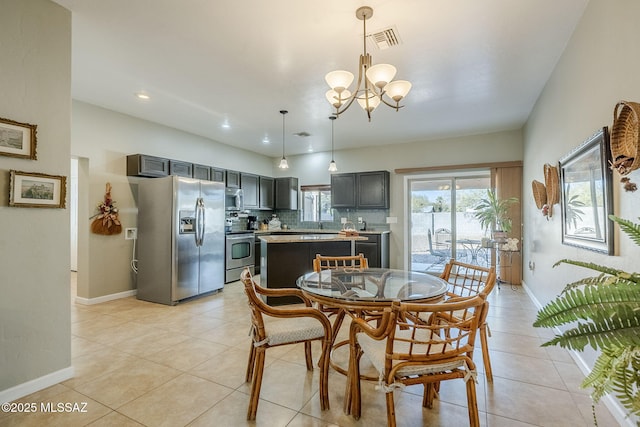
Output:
[[540, 196], [587, 194], [552, 186], [625, 141], [106, 220], [17, 139], [37, 190]]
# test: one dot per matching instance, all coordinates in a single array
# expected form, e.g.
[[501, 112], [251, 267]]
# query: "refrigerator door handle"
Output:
[[199, 221]]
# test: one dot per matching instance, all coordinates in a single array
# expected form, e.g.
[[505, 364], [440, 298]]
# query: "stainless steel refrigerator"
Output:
[[181, 238]]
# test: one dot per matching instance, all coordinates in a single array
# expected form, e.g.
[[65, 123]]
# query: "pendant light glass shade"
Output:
[[381, 74], [283, 162]]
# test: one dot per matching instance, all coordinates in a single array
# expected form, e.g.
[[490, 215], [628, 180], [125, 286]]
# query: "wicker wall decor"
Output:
[[625, 141], [539, 193]]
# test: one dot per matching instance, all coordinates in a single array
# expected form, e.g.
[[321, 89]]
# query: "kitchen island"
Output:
[[284, 258]]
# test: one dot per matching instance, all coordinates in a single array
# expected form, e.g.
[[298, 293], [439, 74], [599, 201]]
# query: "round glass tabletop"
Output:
[[372, 285]]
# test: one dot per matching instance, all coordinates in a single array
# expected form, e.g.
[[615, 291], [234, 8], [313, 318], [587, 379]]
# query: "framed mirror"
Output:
[[586, 195]]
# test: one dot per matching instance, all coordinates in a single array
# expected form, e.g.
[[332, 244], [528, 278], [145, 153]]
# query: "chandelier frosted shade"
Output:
[[398, 89], [339, 80], [333, 167], [375, 83], [381, 74], [283, 164]]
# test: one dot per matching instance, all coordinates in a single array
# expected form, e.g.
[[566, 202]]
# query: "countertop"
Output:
[[314, 231], [308, 238]]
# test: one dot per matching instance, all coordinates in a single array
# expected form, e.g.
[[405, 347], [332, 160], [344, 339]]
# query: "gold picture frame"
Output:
[[17, 139], [37, 190]]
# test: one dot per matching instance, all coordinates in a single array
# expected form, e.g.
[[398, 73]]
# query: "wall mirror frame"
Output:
[[587, 195]]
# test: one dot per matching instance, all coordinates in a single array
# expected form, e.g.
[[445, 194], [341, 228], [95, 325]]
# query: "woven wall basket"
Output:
[[625, 143], [539, 193], [552, 184]]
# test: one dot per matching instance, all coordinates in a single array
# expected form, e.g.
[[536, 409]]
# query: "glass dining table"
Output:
[[365, 292]]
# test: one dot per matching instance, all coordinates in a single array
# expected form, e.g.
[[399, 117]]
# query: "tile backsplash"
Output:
[[376, 219]]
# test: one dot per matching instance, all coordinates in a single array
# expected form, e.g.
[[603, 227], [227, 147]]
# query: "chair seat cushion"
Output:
[[293, 329], [375, 350]]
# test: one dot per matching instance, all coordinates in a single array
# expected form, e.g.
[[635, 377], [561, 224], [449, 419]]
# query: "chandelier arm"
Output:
[[396, 107], [354, 95]]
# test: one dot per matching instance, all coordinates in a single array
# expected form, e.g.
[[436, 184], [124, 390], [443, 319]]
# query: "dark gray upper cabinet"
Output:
[[217, 175], [232, 179], [266, 193], [202, 172], [149, 166], [373, 190], [287, 193], [250, 190], [180, 168], [363, 190], [343, 190]]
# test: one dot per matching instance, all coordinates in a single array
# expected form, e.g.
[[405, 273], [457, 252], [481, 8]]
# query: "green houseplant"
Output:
[[605, 313], [493, 212]]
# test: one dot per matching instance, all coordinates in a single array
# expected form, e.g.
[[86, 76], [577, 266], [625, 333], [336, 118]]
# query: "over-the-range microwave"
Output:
[[233, 199]]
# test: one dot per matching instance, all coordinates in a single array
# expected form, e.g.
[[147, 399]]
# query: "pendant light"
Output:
[[332, 165], [283, 162]]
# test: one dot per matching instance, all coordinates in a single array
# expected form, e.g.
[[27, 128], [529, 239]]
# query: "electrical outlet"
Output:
[[130, 233], [360, 219], [343, 220]]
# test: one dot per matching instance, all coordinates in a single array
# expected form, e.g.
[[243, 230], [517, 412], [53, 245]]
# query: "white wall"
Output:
[[35, 87], [493, 147], [598, 68], [102, 139]]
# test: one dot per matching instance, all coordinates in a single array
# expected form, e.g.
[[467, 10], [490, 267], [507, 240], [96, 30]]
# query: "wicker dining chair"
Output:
[[286, 325], [408, 352], [469, 280]]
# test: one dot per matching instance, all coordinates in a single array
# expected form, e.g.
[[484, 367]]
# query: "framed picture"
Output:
[[587, 195], [17, 139], [37, 190]]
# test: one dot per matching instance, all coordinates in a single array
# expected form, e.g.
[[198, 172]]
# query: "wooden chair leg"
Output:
[[356, 404], [324, 375], [472, 404], [256, 384], [485, 353], [428, 395], [307, 355], [391, 410], [251, 363]]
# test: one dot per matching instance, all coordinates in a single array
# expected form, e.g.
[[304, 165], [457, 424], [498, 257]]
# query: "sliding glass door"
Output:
[[442, 223]]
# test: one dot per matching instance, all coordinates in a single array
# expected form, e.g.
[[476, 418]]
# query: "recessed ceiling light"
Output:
[[266, 140], [142, 95], [225, 124]]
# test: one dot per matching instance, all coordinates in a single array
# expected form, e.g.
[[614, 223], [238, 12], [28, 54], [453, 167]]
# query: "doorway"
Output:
[[441, 223]]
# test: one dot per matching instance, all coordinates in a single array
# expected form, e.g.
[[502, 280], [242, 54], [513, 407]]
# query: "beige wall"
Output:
[[102, 139], [493, 147], [597, 69], [35, 87]]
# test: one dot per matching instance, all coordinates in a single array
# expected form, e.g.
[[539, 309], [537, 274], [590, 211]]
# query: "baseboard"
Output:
[[37, 384], [614, 406], [105, 298]]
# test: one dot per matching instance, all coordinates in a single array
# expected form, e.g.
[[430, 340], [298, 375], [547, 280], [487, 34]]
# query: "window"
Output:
[[316, 203]]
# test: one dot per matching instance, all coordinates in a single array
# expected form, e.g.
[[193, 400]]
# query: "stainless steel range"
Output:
[[239, 247]]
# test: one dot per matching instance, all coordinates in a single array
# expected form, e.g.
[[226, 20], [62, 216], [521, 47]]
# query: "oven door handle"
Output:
[[240, 237]]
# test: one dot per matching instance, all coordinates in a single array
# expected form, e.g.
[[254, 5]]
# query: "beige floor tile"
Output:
[[118, 387], [227, 368], [289, 384], [92, 365], [175, 403], [530, 403], [115, 419], [232, 411], [526, 369], [187, 354], [151, 342]]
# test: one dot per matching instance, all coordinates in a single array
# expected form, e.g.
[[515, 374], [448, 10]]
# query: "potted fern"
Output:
[[493, 214], [605, 313]]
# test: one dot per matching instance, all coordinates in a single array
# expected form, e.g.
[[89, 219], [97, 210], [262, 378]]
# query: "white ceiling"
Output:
[[476, 66]]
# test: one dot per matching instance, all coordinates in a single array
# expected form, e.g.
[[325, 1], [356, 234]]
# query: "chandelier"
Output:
[[377, 81]]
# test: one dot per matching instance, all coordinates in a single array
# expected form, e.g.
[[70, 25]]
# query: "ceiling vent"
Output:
[[384, 39]]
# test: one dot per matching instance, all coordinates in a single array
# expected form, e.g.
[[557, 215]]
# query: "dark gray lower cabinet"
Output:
[[376, 249]]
